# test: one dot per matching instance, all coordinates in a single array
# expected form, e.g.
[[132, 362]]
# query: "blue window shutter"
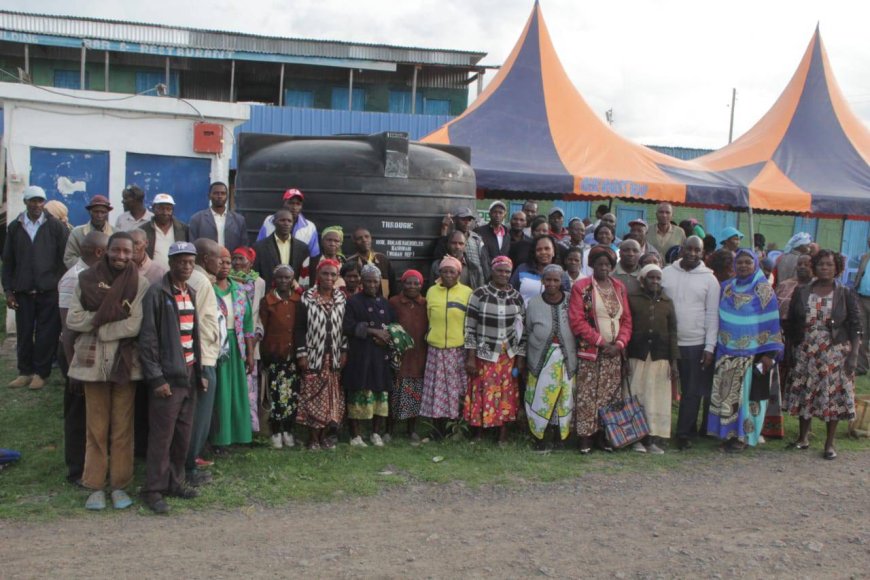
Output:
[[716, 220], [300, 99], [339, 99], [854, 246], [436, 107], [624, 215], [69, 79], [147, 80], [572, 209]]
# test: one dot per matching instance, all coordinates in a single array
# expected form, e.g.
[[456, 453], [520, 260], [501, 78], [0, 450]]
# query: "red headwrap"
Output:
[[412, 274], [502, 260], [247, 252], [328, 262]]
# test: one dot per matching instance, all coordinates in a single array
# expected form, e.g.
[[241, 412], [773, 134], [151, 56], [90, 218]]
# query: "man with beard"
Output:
[[106, 312], [218, 222]]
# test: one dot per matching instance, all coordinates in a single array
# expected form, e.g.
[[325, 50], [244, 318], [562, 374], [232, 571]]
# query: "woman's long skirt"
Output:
[[444, 383], [232, 407], [651, 384], [732, 414], [321, 398], [493, 395], [599, 383], [549, 398]]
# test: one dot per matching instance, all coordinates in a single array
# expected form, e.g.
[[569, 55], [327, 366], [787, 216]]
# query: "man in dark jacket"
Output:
[[164, 230], [170, 354], [32, 267], [218, 223], [494, 234], [282, 248]]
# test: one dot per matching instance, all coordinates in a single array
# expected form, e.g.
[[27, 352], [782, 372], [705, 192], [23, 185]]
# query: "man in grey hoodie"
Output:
[[695, 293]]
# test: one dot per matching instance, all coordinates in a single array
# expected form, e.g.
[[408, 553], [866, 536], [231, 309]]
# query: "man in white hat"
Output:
[[32, 268], [164, 230], [494, 234]]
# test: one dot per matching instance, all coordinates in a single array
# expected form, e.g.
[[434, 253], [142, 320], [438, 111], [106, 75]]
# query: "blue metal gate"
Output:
[[186, 179], [71, 176]]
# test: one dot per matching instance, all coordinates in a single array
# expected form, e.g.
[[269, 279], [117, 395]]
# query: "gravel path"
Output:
[[755, 516]]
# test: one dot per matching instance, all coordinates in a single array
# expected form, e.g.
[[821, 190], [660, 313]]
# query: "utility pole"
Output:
[[731, 125]]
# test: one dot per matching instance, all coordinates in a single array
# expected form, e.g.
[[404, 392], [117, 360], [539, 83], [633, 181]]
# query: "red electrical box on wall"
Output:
[[208, 138]]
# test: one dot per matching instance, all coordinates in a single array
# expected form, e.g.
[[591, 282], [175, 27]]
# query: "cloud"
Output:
[[666, 67]]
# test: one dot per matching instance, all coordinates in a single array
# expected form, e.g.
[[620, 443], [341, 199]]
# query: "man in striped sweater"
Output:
[[171, 359]]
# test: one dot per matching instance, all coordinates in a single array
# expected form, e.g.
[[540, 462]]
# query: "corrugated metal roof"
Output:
[[117, 30], [684, 153]]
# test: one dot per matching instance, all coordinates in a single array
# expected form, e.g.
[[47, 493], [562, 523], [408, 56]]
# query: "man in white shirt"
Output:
[[135, 213], [695, 292], [218, 223]]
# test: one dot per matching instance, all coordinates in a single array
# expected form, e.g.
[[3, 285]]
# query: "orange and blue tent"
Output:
[[808, 154], [531, 131]]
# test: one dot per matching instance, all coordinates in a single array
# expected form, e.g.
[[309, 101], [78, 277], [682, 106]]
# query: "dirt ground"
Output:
[[763, 515]]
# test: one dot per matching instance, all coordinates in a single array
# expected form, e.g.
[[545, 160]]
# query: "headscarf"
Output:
[[328, 262], [249, 253], [502, 260], [412, 274], [369, 269], [452, 262], [748, 315], [57, 210], [335, 230], [798, 240], [647, 269]]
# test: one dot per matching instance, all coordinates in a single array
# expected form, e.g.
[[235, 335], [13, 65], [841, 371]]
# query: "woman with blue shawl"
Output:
[[749, 343]]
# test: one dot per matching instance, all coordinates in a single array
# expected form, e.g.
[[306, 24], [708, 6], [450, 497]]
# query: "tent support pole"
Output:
[[751, 230]]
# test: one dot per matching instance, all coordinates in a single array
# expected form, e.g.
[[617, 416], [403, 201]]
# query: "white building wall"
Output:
[[119, 124]]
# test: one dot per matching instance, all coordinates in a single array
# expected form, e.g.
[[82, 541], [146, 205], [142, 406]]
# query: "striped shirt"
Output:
[[185, 323]]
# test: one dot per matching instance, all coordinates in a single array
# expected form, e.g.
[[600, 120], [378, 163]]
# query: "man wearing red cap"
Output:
[[99, 208], [303, 230]]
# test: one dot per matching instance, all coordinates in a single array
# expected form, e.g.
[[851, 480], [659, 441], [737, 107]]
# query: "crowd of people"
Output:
[[179, 341]]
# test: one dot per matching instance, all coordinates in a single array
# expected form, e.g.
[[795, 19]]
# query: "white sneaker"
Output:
[[377, 441], [761, 440], [358, 442], [276, 441], [654, 449], [638, 447], [287, 438]]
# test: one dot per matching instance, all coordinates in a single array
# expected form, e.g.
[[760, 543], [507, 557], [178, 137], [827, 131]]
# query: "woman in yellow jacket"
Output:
[[444, 380]]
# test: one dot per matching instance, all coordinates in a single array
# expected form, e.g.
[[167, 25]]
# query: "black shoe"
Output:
[[683, 443], [198, 478], [830, 455], [156, 503], [185, 492], [75, 482]]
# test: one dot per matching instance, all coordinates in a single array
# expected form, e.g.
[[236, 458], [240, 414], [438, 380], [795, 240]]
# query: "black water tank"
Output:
[[400, 191]]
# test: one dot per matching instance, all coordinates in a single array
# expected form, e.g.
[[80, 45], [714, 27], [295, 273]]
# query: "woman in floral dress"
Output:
[[492, 345], [824, 326]]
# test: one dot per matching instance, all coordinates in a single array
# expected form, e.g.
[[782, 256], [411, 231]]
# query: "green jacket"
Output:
[[653, 327]]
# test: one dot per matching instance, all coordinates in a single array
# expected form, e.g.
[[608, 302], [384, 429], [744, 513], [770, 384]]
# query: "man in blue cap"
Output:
[[171, 364], [730, 238], [32, 267]]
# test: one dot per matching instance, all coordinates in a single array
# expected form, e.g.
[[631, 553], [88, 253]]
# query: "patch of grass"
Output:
[[35, 488]]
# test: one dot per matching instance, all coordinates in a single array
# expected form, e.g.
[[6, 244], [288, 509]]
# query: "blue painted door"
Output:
[[186, 179], [71, 176], [716, 220], [855, 235], [572, 209], [806, 224], [624, 215]]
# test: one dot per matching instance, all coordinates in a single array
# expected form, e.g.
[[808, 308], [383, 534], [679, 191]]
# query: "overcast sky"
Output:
[[666, 67]]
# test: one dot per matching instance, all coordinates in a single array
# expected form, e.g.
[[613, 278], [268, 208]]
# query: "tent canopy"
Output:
[[808, 154], [532, 131]]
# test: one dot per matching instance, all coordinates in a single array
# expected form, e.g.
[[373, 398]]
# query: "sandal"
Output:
[[830, 455], [798, 445]]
